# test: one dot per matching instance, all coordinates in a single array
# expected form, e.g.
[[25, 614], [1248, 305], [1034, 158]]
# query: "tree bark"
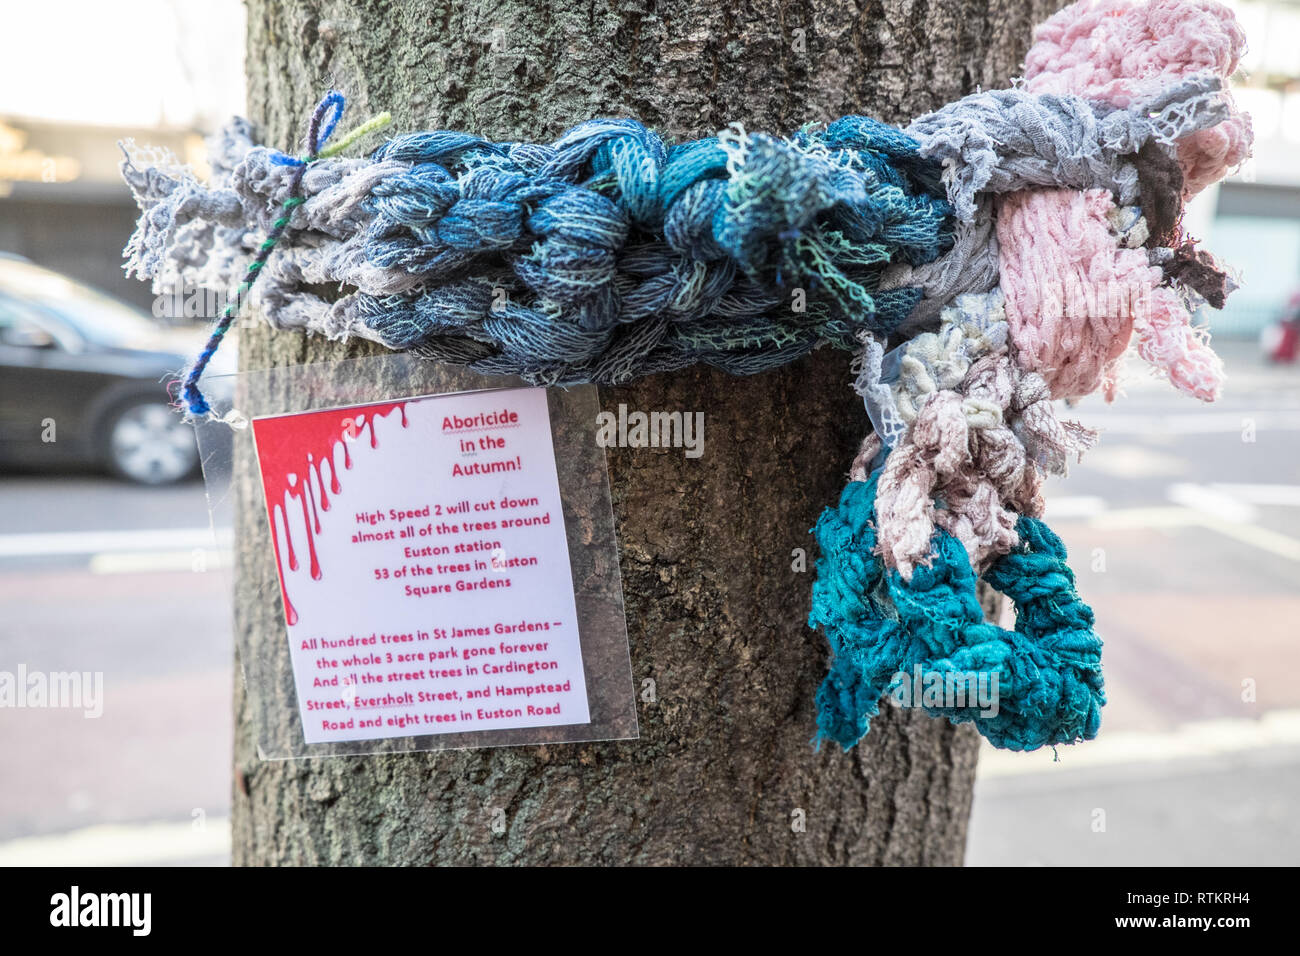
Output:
[[724, 772]]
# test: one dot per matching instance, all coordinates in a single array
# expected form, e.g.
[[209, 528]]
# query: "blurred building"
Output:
[[62, 201], [161, 72], [1253, 219]]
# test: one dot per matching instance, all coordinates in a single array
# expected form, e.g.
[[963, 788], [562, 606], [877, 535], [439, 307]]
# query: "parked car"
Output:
[[82, 379]]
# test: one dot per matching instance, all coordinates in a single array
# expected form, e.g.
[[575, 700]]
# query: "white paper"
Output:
[[424, 566]]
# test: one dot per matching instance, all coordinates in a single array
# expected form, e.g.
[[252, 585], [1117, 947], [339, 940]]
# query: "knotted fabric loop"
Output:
[[883, 630]]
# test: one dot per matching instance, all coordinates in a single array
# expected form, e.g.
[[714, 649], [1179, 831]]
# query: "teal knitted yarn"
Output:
[[883, 630]]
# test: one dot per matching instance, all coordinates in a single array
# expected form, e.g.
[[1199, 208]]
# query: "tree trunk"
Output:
[[724, 772]]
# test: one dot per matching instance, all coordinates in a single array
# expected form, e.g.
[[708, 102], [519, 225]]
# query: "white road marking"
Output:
[[1287, 496], [121, 845], [93, 542], [1265, 539], [1205, 738], [1067, 508], [1134, 461], [138, 562], [1179, 517], [1203, 423], [1212, 502], [1167, 516]]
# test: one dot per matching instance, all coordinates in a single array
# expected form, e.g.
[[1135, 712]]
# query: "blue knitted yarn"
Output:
[[609, 255], [878, 625]]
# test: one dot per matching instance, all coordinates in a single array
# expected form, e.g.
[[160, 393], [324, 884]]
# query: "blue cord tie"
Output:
[[333, 105]]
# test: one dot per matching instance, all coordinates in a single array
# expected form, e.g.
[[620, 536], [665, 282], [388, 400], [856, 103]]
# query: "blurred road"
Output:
[[1183, 527], [99, 576]]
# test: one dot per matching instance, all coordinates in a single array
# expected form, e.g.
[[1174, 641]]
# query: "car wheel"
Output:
[[148, 443]]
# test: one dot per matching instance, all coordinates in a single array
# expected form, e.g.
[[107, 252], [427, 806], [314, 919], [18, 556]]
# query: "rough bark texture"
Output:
[[724, 771]]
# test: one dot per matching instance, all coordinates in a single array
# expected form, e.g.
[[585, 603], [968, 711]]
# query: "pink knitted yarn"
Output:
[[1123, 51], [1061, 271], [1207, 155], [1167, 340], [1074, 296]]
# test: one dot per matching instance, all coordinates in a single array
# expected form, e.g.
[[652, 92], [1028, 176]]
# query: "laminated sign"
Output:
[[424, 566]]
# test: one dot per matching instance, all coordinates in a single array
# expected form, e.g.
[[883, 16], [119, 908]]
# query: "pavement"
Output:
[[1234, 808], [1183, 527], [100, 577]]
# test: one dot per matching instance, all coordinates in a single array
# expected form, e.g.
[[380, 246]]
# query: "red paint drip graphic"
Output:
[[294, 452]]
